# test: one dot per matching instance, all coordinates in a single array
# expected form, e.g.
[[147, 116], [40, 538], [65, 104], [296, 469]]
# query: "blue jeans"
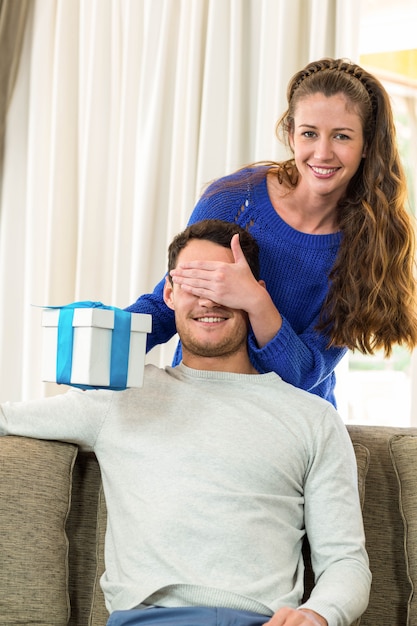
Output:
[[186, 616]]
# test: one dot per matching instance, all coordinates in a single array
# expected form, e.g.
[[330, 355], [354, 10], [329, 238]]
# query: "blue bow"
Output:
[[119, 347]]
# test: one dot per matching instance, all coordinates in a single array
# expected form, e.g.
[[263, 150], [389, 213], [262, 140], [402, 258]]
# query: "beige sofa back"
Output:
[[52, 524]]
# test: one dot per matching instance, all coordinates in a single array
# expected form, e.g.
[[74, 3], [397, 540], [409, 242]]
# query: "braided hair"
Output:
[[335, 76]]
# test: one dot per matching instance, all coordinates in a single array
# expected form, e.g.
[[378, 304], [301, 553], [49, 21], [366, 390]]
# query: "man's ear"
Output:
[[169, 293], [262, 283]]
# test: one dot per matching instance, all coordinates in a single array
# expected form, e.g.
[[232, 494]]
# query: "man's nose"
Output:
[[207, 303]]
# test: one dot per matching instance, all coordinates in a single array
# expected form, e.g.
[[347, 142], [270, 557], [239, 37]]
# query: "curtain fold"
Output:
[[122, 110], [13, 17]]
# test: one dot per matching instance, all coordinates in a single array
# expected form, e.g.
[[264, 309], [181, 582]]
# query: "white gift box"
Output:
[[92, 336]]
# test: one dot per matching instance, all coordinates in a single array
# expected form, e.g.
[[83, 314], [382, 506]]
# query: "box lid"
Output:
[[50, 317], [99, 318], [96, 317], [141, 322]]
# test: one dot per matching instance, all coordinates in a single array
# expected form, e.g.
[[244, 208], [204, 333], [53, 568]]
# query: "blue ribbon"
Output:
[[119, 346]]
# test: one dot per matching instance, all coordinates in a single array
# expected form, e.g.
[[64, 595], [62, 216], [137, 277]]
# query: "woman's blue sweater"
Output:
[[295, 267]]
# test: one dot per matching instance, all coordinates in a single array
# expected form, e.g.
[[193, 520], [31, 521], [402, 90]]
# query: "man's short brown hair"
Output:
[[218, 232]]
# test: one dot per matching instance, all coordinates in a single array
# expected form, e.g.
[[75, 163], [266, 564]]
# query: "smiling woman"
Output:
[[328, 145], [336, 241]]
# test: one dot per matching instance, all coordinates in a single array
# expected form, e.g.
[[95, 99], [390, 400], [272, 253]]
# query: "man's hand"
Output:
[[296, 617]]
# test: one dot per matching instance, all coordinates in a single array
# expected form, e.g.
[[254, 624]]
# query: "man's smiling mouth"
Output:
[[210, 319]]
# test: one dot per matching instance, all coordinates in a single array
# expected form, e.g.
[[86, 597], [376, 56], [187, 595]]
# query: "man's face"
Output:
[[206, 329]]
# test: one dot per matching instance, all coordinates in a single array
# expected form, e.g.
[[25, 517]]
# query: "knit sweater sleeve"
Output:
[[163, 319], [303, 360]]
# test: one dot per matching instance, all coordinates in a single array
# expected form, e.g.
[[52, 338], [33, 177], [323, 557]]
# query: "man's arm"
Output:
[[334, 526], [74, 417]]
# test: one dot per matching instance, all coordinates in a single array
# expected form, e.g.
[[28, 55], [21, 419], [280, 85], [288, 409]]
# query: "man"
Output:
[[213, 474]]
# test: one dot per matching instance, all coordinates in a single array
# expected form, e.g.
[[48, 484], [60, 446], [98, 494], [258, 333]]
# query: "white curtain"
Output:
[[122, 111]]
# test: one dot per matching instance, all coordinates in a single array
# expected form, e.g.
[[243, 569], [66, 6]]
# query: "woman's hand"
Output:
[[234, 286], [229, 284]]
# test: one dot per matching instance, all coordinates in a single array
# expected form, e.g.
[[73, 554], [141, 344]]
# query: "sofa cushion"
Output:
[[81, 530], [362, 460], [403, 450], [35, 494], [99, 613]]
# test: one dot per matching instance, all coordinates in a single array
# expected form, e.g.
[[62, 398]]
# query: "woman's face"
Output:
[[328, 143]]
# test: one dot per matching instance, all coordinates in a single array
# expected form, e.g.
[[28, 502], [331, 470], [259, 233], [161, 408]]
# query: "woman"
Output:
[[336, 241]]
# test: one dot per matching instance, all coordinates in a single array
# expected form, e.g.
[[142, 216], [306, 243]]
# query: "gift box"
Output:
[[90, 345]]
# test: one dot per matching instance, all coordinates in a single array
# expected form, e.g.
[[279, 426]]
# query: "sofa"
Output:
[[53, 521]]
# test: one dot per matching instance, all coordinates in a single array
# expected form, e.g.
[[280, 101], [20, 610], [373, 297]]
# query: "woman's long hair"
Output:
[[371, 302]]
